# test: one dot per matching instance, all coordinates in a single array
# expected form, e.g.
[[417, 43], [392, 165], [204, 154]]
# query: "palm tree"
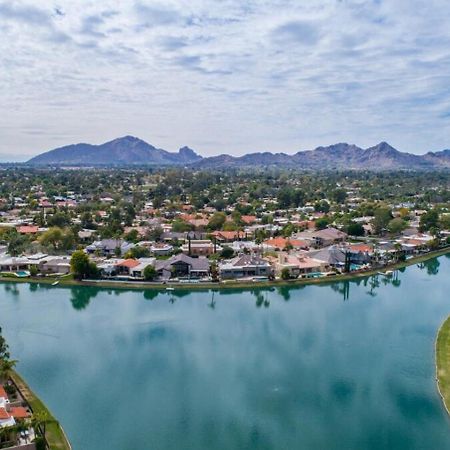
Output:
[[398, 249], [6, 367], [39, 421]]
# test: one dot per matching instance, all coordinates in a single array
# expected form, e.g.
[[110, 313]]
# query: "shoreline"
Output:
[[442, 347], [235, 284], [54, 434]]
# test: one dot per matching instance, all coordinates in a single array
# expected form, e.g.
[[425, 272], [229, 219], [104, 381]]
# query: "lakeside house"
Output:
[[15, 412], [182, 266], [298, 264], [245, 266]]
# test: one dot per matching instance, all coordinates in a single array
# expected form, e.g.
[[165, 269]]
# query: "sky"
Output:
[[226, 76]]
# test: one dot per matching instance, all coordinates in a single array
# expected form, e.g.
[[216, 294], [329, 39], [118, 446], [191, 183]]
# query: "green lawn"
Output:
[[443, 362], [54, 433]]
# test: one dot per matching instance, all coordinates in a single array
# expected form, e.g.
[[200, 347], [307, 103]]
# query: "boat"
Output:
[[170, 289], [55, 283]]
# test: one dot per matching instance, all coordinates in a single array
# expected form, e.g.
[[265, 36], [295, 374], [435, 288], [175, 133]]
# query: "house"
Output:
[[108, 268], [109, 247], [328, 236], [14, 263], [138, 271], [9, 417], [202, 247], [333, 256], [336, 256], [244, 266], [281, 243], [85, 235], [228, 236], [54, 265], [125, 266], [248, 220], [182, 266], [28, 229], [299, 265], [161, 249]]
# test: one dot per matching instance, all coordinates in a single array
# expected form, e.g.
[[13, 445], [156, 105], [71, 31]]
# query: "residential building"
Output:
[[202, 247], [244, 266], [109, 247], [182, 266]]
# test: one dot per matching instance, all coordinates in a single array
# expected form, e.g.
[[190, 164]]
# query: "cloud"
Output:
[[226, 76], [297, 32], [24, 13], [152, 15]]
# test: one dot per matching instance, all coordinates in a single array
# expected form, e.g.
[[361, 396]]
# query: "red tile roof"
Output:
[[3, 392], [130, 263], [19, 412], [4, 414], [281, 243], [228, 234], [362, 248], [28, 229], [248, 219]]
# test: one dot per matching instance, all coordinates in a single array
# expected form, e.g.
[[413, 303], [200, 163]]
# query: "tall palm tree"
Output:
[[6, 367], [39, 421]]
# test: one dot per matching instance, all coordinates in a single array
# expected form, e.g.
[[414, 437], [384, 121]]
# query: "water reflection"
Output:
[[80, 296], [431, 266]]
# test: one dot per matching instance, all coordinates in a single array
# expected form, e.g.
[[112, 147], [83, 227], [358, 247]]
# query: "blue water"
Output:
[[340, 366]]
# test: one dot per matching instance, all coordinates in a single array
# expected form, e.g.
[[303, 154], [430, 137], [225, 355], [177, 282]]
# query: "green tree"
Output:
[[322, 206], [17, 244], [217, 221], [138, 252], [58, 238], [396, 226], [381, 219], [321, 223], [355, 229], [132, 236], [285, 274], [444, 222], [339, 195], [284, 197], [429, 220], [52, 237], [150, 273], [227, 252], [81, 266]]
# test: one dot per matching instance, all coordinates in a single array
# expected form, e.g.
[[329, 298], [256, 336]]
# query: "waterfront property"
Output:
[[245, 266], [16, 429]]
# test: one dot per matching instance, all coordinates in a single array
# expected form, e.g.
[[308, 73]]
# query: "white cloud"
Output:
[[225, 76]]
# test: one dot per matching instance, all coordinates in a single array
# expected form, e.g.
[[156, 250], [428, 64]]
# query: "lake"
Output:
[[347, 365]]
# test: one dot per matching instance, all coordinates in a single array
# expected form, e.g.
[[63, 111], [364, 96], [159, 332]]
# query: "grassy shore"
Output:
[[54, 433], [443, 363], [70, 281]]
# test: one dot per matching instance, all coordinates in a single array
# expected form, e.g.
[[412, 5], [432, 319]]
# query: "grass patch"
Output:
[[443, 363], [54, 433]]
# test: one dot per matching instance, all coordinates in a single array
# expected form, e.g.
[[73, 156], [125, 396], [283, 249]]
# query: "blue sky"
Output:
[[225, 76]]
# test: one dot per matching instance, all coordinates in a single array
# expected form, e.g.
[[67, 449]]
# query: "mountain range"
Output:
[[129, 150]]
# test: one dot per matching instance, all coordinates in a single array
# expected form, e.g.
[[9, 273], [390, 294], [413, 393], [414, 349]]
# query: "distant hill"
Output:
[[130, 150], [337, 156], [126, 150]]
